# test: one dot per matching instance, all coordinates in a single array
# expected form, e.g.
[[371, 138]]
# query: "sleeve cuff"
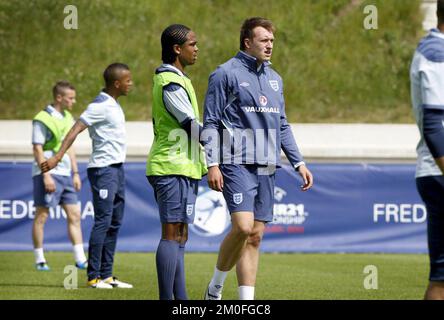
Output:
[[297, 165], [213, 164], [84, 121]]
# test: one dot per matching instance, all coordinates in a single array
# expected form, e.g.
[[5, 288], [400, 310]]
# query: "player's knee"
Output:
[[172, 232], [115, 224], [41, 217], [255, 240], [102, 226], [74, 218], [176, 238], [243, 230], [183, 239]]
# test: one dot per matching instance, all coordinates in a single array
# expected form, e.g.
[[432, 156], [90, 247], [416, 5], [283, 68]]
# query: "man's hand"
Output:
[[76, 181], [49, 164], [215, 179], [307, 177], [49, 183], [78, 127]]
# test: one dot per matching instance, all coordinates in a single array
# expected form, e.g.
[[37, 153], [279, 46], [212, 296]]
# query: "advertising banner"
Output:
[[351, 208]]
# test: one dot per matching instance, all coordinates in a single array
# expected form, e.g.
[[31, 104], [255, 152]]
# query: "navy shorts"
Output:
[[431, 189], [175, 196], [64, 193], [246, 189]]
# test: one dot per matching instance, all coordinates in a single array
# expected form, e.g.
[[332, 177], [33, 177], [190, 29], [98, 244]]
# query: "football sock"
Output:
[[179, 289], [166, 261], [79, 254], [217, 282], [246, 293], [39, 256]]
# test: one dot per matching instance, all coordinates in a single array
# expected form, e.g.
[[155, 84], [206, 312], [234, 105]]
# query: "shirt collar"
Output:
[[251, 61], [53, 112], [435, 32], [170, 66], [109, 97]]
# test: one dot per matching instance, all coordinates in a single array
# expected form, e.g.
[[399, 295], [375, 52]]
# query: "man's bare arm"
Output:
[[48, 182], [72, 157], [37, 150], [77, 182]]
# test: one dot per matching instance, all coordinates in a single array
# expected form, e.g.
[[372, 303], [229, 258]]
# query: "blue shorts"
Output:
[[64, 193], [431, 189], [247, 190], [175, 196]]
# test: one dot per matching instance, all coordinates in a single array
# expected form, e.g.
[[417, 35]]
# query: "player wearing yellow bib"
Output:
[[174, 172], [57, 186]]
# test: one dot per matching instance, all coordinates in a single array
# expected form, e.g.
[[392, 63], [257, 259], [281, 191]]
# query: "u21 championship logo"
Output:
[[289, 216], [263, 100], [211, 214]]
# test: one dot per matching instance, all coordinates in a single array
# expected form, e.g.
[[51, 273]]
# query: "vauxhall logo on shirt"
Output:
[[263, 108]]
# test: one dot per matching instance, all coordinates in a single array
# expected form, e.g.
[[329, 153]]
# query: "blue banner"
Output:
[[351, 208]]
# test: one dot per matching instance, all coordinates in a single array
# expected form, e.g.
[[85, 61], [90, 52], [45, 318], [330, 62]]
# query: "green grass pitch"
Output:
[[280, 276]]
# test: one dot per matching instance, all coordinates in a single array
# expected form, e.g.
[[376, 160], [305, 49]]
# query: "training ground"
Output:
[[280, 277]]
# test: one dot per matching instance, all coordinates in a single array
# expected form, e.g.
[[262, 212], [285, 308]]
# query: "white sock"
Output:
[[217, 282], [79, 254], [39, 256], [246, 293]]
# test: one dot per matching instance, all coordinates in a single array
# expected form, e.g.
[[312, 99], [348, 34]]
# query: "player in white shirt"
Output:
[[106, 123]]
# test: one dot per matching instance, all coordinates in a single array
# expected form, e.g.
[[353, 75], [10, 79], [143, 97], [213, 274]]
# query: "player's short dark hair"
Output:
[[440, 11], [173, 34], [60, 87], [246, 31], [112, 73]]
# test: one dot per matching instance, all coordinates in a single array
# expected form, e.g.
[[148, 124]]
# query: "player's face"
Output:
[[188, 50], [67, 99], [261, 46], [125, 82]]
